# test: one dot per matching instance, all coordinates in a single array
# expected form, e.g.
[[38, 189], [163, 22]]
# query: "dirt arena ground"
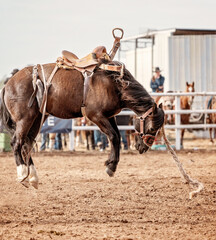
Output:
[[77, 200]]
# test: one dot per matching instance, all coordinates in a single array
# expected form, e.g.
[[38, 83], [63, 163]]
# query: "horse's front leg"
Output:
[[214, 133], [210, 133], [182, 137], [109, 127], [115, 141]]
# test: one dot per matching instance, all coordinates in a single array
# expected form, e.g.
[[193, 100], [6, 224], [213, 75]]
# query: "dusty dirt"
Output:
[[77, 200]]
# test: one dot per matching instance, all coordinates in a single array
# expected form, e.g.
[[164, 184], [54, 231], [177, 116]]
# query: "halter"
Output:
[[148, 139]]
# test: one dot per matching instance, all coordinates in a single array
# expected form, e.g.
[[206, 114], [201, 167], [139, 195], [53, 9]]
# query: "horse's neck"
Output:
[[139, 105], [184, 102], [134, 96]]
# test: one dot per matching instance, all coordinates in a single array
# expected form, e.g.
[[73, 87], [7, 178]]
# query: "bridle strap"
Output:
[[148, 139], [147, 113], [142, 118], [141, 126]]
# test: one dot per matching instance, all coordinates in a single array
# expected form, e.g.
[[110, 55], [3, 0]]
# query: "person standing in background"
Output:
[[100, 139], [159, 80], [44, 141], [153, 84], [58, 142]]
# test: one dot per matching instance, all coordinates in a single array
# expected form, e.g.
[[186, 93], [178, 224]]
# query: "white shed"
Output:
[[184, 55]]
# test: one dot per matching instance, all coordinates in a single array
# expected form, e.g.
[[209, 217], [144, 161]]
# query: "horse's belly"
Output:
[[65, 103], [67, 113]]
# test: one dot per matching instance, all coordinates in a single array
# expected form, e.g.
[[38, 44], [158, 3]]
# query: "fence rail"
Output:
[[179, 94], [178, 111]]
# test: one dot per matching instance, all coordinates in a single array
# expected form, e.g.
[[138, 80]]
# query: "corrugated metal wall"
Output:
[[192, 58], [144, 61], [161, 56], [181, 58]]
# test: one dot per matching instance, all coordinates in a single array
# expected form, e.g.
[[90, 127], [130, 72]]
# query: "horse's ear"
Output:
[[187, 83], [157, 99], [192, 84], [154, 108], [160, 105]]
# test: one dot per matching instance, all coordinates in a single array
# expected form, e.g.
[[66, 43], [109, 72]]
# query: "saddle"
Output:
[[91, 59], [87, 63]]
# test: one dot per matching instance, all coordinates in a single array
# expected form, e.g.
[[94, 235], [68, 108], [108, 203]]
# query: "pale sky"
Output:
[[37, 31]]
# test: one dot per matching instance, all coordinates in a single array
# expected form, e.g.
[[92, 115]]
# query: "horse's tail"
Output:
[[5, 116]]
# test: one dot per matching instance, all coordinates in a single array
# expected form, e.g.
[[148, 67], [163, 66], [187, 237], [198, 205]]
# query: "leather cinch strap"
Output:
[[113, 68]]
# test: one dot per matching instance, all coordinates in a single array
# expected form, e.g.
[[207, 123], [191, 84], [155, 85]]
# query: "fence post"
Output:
[[177, 123], [71, 137]]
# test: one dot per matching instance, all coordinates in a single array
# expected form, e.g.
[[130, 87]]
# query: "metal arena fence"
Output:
[[178, 111]]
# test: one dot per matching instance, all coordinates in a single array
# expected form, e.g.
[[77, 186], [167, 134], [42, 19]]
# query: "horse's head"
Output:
[[168, 103], [190, 88], [147, 127]]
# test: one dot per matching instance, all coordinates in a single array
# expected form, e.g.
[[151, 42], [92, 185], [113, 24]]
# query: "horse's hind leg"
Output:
[[17, 143], [33, 177], [31, 173], [26, 131], [210, 134]]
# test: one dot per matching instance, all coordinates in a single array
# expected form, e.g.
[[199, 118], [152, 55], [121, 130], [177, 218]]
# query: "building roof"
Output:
[[173, 31]]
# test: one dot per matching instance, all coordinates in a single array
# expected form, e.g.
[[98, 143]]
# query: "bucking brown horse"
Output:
[[107, 96], [186, 103]]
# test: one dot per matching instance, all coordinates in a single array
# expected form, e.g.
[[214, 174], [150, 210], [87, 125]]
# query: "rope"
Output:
[[189, 180], [194, 119]]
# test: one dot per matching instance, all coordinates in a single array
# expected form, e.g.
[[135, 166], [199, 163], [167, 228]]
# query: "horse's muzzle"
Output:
[[140, 146]]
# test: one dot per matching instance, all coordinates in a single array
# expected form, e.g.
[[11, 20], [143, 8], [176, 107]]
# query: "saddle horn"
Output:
[[116, 43]]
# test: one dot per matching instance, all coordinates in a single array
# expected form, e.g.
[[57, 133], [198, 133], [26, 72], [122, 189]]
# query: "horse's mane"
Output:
[[157, 118], [140, 98], [135, 95], [132, 92]]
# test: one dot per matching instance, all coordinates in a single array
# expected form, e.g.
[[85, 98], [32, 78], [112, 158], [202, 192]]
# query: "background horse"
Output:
[[169, 104], [186, 103], [211, 117], [107, 95]]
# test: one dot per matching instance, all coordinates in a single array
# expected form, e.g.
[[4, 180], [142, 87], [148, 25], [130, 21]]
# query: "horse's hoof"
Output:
[[25, 183], [109, 172], [33, 177], [22, 172], [34, 183]]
